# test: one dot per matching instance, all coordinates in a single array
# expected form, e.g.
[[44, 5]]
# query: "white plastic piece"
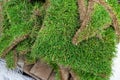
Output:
[[8, 74], [116, 65]]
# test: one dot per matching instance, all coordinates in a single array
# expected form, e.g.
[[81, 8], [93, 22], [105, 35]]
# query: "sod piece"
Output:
[[92, 58]]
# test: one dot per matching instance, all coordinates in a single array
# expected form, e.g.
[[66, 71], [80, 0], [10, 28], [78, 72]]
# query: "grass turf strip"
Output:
[[91, 59]]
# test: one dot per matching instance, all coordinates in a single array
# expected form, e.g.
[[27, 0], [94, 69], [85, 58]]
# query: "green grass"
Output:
[[91, 59], [16, 23], [19, 19], [10, 60]]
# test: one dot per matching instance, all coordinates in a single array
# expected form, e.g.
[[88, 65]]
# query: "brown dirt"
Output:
[[27, 68], [64, 73], [82, 9], [67, 74], [85, 22], [74, 76], [42, 70]]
